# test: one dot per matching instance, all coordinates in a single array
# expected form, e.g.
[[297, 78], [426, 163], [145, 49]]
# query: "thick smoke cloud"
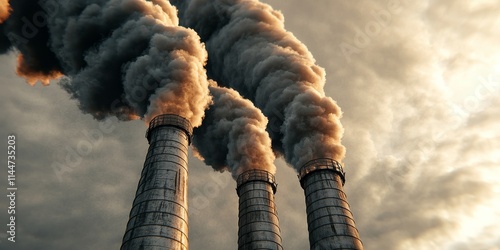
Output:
[[26, 29], [125, 58], [251, 52], [233, 135]]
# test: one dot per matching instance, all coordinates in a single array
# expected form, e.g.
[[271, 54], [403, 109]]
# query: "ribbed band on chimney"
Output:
[[159, 217], [330, 221], [258, 219]]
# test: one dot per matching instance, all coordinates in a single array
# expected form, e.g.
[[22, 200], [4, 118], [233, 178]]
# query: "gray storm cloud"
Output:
[[251, 52], [233, 135], [127, 58]]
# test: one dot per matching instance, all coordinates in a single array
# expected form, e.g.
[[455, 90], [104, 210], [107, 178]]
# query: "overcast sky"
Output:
[[419, 85]]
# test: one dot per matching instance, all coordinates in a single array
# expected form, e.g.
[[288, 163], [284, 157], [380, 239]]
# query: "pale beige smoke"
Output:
[[187, 93]]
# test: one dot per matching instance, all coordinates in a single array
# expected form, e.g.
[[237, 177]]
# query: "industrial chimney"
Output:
[[159, 215], [258, 226], [330, 221]]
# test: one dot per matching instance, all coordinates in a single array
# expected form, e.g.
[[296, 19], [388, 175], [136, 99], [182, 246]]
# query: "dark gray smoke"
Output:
[[233, 134], [26, 30], [250, 51], [125, 58]]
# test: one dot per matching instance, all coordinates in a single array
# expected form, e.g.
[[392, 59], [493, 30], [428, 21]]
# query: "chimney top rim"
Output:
[[172, 120], [256, 175], [321, 164]]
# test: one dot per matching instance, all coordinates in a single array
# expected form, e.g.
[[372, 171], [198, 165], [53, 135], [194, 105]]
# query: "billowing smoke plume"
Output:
[[4, 10], [233, 134], [251, 52], [126, 58]]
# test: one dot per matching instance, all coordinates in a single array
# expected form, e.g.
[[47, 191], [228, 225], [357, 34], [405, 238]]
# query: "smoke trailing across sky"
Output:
[[122, 55], [233, 134], [251, 52], [125, 58]]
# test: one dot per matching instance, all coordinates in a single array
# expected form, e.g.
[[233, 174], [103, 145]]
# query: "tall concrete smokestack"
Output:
[[329, 218], [258, 226], [159, 215]]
